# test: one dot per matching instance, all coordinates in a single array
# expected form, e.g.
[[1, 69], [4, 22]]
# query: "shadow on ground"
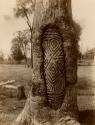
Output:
[[87, 117]]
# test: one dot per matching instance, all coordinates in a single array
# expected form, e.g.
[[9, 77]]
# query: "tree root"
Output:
[[36, 112]]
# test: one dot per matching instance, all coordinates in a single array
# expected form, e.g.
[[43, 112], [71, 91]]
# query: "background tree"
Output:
[[80, 55], [22, 40], [53, 98], [10, 59], [16, 52], [1, 57], [25, 10]]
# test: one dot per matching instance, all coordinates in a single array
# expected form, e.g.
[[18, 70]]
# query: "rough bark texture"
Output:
[[53, 97], [36, 111]]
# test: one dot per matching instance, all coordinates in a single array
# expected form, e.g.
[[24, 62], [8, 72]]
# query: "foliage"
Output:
[[20, 44], [23, 38], [16, 51], [89, 54], [10, 59], [1, 57], [80, 55], [25, 9], [78, 29]]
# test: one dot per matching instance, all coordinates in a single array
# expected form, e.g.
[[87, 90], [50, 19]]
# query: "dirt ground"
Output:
[[10, 106], [9, 109]]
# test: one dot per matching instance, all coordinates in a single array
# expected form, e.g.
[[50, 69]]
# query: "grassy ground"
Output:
[[10, 106], [15, 72]]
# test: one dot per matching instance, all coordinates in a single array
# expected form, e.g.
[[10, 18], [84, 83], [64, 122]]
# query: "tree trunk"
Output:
[[31, 52], [53, 98], [25, 56]]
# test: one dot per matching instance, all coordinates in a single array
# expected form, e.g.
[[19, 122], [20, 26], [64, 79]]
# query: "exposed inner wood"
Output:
[[54, 69]]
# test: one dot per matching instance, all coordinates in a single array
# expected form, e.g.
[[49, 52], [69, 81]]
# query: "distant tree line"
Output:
[[89, 54]]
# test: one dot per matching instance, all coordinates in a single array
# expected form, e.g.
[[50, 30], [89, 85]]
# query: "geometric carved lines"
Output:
[[54, 69]]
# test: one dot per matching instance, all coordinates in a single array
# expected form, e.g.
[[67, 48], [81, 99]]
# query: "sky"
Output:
[[83, 13]]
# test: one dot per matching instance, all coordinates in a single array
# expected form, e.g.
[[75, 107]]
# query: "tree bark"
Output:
[[30, 28], [45, 104], [25, 56], [31, 51]]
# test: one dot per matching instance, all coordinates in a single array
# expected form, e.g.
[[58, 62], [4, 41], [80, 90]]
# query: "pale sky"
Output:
[[83, 13]]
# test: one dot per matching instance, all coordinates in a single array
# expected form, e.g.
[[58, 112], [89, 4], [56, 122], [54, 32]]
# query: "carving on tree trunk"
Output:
[[54, 67], [54, 99]]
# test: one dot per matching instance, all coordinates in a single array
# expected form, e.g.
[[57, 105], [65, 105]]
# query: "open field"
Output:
[[15, 72], [10, 106]]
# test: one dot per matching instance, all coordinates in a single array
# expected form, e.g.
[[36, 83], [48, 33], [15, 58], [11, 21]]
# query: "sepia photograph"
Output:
[[47, 62]]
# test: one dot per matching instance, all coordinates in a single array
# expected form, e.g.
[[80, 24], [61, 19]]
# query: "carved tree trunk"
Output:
[[53, 98]]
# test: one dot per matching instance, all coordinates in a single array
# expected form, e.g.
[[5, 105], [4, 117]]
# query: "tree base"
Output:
[[36, 112]]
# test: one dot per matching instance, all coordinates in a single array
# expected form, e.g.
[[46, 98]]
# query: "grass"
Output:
[[10, 106], [15, 72]]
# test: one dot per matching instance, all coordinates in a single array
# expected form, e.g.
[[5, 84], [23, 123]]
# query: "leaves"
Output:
[[1, 56], [24, 7], [16, 52], [20, 44]]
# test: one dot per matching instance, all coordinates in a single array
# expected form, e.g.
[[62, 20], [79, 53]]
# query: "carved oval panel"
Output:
[[54, 69]]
